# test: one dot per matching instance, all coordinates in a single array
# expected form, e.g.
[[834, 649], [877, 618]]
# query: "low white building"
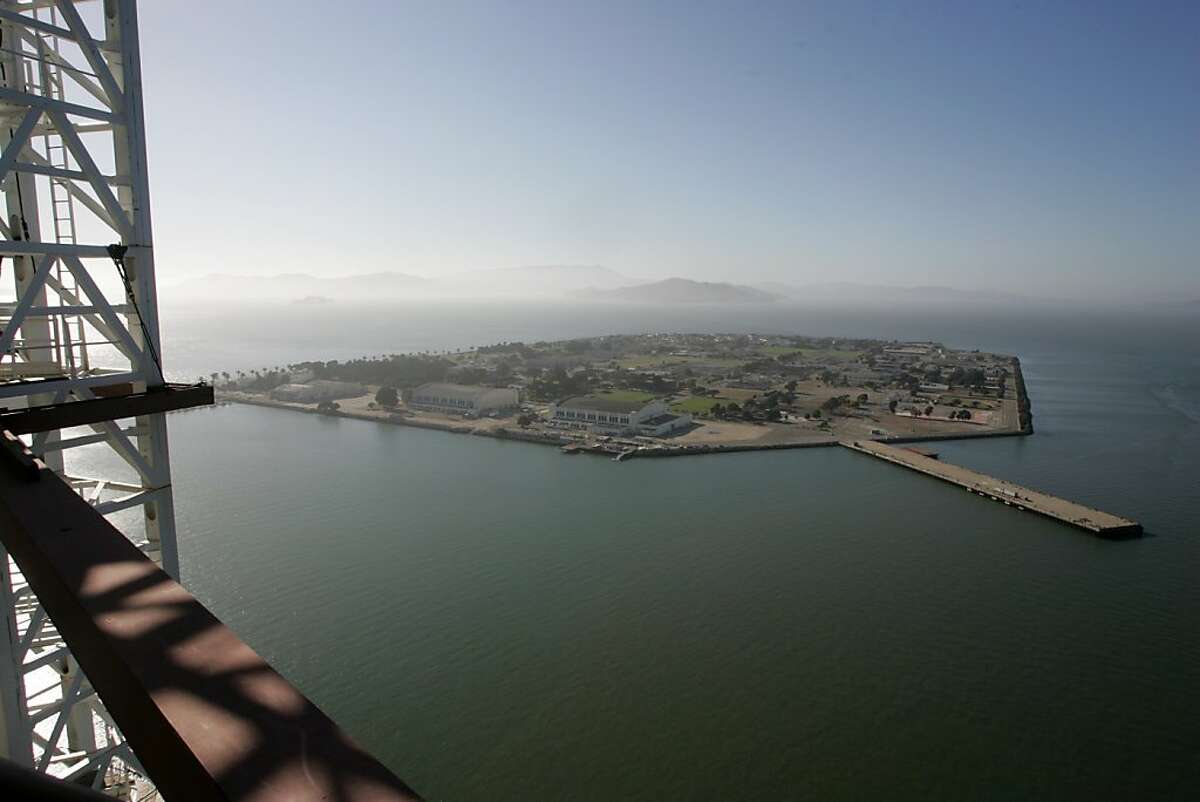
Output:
[[464, 399], [606, 415], [301, 376], [316, 391]]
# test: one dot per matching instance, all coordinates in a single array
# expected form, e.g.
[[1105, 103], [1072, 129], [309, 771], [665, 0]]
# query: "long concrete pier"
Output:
[[1068, 512]]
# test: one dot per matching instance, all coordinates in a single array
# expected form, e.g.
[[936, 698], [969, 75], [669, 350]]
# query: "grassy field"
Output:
[[697, 405], [838, 355], [726, 394], [832, 356], [652, 361], [777, 350]]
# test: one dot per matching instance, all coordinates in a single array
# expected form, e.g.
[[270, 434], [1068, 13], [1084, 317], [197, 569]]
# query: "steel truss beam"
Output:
[[73, 164], [96, 410]]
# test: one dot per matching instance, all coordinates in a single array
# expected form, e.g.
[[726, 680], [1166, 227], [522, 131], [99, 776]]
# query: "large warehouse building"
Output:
[[618, 416], [316, 391], [464, 399]]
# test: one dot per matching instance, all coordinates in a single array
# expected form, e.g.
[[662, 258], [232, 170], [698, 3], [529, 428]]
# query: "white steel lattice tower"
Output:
[[76, 327]]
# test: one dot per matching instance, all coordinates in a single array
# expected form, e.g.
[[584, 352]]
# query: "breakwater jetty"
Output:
[[1095, 521]]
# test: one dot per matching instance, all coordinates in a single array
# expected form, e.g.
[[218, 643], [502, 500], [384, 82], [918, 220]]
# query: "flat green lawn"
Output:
[[641, 361], [626, 395], [838, 355], [727, 394], [697, 405], [825, 354]]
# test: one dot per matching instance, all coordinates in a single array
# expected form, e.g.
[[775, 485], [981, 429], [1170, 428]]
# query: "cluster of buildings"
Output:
[[598, 413]]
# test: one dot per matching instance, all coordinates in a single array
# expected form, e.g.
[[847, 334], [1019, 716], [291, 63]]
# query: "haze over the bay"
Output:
[[572, 283], [992, 150]]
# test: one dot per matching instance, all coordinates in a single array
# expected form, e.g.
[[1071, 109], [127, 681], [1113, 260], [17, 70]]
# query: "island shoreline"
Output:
[[719, 443], [1025, 428]]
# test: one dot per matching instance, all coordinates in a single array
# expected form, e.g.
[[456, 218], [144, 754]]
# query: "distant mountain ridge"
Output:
[[531, 281], [534, 280], [548, 282], [851, 291], [682, 291]]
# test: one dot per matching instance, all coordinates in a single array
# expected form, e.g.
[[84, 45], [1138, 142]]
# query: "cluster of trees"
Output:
[[766, 408], [256, 381], [749, 410], [961, 414], [834, 378], [502, 372], [556, 382], [397, 370], [650, 383], [834, 403], [578, 346], [928, 411], [968, 377], [974, 378], [519, 348], [770, 406], [394, 371]]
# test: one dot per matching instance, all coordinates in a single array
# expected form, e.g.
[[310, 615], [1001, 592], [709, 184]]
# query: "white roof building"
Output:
[[618, 416], [316, 391], [466, 399]]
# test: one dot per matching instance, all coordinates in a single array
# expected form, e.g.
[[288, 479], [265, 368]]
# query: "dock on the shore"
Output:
[[1068, 512]]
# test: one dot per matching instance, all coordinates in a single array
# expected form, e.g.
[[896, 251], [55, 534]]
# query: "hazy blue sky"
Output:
[[1019, 146]]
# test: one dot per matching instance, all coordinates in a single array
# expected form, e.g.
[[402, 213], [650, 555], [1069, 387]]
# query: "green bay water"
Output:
[[499, 621]]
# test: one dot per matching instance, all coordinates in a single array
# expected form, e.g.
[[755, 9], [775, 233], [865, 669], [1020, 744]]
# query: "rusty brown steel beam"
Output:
[[95, 410], [207, 717]]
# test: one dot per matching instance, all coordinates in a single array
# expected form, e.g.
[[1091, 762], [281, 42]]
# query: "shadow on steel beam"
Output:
[[207, 717]]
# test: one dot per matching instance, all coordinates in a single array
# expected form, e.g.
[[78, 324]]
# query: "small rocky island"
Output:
[[667, 394]]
